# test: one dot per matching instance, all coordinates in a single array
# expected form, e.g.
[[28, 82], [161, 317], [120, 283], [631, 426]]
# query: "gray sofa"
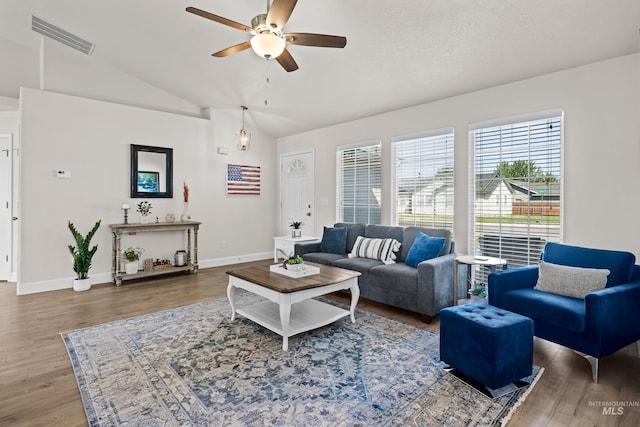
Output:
[[425, 289]]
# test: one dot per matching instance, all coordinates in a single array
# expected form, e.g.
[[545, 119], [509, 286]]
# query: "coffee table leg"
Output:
[[231, 294], [355, 295], [285, 315]]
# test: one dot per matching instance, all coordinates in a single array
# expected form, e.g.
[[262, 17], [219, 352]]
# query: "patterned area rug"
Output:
[[193, 366]]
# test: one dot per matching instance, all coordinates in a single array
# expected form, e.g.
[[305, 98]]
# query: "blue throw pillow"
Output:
[[424, 247], [334, 240]]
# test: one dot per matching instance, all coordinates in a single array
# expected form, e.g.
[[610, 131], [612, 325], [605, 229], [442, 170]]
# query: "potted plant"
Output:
[[132, 254], [478, 293], [296, 231], [82, 256], [144, 208], [294, 263]]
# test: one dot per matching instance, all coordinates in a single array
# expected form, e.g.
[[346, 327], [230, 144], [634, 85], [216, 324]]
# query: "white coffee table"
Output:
[[290, 308], [286, 245]]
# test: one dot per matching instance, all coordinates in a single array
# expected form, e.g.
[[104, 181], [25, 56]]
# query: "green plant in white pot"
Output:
[[82, 256], [132, 254]]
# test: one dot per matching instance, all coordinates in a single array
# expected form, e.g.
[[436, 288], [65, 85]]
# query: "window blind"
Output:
[[516, 193], [423, 180], [359, 182]]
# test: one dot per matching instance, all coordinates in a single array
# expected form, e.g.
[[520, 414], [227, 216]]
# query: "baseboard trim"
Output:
[[98, 278]]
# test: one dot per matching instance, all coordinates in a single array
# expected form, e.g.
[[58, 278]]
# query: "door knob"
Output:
[[308, 213], [14, 218]]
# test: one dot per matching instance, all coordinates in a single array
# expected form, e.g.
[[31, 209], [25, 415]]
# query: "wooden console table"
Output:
[[119, 229]]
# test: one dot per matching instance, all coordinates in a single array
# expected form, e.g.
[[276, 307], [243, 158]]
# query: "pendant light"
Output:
[[243, 138]]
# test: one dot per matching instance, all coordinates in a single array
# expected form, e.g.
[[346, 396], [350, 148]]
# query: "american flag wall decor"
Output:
[[243, 180]]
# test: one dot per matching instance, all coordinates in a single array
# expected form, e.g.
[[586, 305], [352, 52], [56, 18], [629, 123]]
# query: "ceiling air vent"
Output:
[[56, 33]]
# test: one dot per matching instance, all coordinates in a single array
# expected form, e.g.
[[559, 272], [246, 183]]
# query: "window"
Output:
[[516, 194], [359, 183], [423, 180]]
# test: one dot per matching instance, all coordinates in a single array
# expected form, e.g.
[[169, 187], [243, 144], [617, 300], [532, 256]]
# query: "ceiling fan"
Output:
[[268, 39]]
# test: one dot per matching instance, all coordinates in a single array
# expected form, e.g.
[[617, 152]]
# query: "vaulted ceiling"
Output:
[[398, 53]]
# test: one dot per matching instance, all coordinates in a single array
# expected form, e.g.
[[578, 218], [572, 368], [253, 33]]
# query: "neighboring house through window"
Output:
[[423, 179], [516, 193], [359, 181]]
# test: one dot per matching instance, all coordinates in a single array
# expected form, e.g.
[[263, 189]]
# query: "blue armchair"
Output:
[[605, 321]]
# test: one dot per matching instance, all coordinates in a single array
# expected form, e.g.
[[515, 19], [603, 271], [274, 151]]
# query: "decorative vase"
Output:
[[145, 219], [81, 284], [185, 213], [296, 233], [131, 267], [477, 298]]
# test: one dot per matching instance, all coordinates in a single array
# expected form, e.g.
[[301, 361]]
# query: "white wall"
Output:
[[91, 139], [601, 103]]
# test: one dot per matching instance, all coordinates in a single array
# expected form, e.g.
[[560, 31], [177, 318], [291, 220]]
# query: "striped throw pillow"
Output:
[[382, 249]]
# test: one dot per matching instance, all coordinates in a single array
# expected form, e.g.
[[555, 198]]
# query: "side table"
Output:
[[286, 245], [470, 260]]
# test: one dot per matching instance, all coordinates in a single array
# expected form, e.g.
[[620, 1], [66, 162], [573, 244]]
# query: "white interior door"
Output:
[[296, 192], [6, 239]]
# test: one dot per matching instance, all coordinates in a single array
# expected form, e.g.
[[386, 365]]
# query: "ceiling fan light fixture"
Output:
[[267, 45], [243, 138]]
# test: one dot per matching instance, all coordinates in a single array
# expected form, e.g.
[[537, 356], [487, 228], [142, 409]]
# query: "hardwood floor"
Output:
[[38, 388]]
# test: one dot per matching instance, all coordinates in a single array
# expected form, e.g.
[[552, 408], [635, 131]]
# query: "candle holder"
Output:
[[125, 208]]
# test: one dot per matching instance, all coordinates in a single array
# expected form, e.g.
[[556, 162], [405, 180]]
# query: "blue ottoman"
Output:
[[487, 344]]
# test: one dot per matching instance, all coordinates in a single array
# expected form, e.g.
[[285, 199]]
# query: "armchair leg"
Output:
[[594, 362]]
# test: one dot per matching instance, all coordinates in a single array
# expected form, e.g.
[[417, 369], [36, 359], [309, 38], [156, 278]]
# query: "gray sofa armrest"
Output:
[[306, 247], [435, 283]]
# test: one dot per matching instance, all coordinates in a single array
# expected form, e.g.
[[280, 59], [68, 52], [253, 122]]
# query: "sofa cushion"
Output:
[[410, 234], [384, 232], [564, 312], [400, 277], [382, 249], [362, 265], [334, 240], [619, 263], [353, 231], [322, 257], [574, 282], [424, 247]]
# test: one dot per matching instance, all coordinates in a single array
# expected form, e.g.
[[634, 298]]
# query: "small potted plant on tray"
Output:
[[296, 230], [132, 254], [82, 257], [294, 263]]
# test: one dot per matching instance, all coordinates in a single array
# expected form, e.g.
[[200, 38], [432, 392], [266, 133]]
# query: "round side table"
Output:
[[470, 260]]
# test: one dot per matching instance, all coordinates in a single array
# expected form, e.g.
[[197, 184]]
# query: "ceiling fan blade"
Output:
[[286, 60], [318, 40], [279, 13], [219, 19], [231, 50]]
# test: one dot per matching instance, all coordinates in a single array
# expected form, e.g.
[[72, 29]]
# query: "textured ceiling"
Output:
[[398, 54]]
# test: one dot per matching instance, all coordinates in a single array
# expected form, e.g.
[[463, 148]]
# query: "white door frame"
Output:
[[308, 220], [6, 206]]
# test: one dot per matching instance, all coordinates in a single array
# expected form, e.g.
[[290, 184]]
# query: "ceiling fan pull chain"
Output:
[[266, 84]]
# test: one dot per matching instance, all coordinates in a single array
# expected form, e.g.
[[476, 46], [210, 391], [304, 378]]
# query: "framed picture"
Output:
[[243, 180], [148, 182]]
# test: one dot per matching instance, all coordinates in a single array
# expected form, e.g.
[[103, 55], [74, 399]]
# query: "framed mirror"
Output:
[[151, 172]]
